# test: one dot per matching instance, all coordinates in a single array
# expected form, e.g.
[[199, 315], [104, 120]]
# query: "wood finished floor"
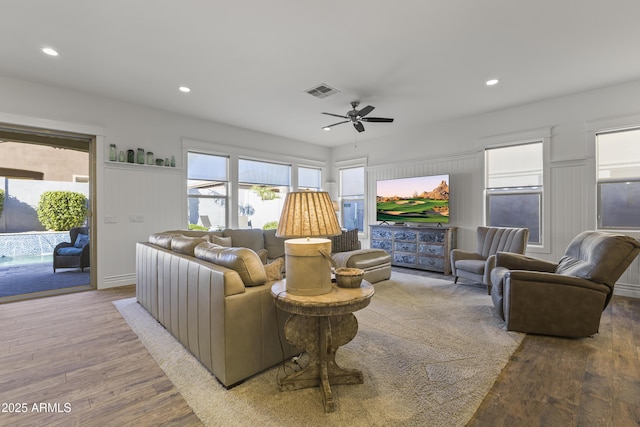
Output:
[[77, 349]]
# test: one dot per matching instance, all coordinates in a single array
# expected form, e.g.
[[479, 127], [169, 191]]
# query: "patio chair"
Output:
[[73, 254]]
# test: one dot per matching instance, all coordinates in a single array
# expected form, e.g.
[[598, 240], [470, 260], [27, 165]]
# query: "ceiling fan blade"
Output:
[[377, 120], [336, 115], [366, 110], [339, 123], [359, 126]]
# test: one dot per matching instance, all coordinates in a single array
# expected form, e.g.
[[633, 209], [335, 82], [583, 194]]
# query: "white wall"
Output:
[[456, 147], [155, 194]]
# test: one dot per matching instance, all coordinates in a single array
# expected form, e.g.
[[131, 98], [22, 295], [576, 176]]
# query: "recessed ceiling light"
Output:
[[492, 82], [50, 51], [184, 89]]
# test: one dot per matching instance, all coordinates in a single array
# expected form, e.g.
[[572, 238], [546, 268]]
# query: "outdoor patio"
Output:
[[26, 264], [22, 279]]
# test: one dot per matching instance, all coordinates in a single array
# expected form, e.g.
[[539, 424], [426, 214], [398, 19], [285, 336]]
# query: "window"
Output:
[[262, 187], [618, 163], [352, 198], [207, 190], [514, 188], [309, 179]]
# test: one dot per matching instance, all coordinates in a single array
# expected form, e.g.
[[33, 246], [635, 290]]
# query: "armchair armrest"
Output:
[[458, 254], [62, 245], [514, 261], [519, 278]]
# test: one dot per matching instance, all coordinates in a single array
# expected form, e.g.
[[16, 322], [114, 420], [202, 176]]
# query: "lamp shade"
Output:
[[308, 214]]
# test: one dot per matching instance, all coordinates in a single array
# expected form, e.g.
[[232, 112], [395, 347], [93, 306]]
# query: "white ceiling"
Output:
[[249, 62]]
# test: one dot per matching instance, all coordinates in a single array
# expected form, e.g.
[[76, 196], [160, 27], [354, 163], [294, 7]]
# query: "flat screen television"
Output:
[[422, 199]]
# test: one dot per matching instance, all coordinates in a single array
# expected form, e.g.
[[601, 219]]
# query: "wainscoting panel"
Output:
[[572, 202], [465, 186], [139, 200]]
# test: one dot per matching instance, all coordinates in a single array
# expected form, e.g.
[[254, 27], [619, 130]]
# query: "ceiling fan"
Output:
[[357, 117]]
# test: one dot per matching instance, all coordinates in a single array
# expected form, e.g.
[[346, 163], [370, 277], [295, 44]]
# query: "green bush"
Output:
[[62, 210], [1, 201], [197, 227], [272, 225]]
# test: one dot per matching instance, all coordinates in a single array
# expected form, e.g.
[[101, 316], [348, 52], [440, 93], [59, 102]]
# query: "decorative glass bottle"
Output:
[[150, 159], [140, 156], [112, 152]]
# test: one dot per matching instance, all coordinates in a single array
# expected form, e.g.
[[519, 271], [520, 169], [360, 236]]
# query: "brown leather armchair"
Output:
[[565, 298], [477, 265], [73, 254]]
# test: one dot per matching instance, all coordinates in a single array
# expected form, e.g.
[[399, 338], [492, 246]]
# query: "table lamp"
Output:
[[307, 219]]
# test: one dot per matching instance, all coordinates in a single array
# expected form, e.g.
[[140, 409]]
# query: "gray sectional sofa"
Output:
[[212, 292]]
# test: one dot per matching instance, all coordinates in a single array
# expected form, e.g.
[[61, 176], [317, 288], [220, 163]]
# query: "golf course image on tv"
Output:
[[417, 199]]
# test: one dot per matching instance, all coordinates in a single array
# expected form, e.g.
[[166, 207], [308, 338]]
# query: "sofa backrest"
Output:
[[599, 256], [492, 240]]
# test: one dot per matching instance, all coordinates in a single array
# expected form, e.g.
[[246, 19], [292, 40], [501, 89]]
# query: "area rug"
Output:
[[429, 350]]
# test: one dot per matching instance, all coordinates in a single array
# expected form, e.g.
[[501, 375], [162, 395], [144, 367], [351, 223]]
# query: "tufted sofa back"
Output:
[[492, 240]]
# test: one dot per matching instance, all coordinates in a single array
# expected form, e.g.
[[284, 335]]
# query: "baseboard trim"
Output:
[[627, 290], [117, 281]]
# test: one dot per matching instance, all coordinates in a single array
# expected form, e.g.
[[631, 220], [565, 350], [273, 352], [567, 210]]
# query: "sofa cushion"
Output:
[[243, 260], [246, 238], [69, 251], [186, 245], [273, 244], [347, 241], [162, 239]]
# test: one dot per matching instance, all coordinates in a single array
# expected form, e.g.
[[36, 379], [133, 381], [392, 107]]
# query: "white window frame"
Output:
[[226, 197], [342, 198], [599, 181], [519, 138]]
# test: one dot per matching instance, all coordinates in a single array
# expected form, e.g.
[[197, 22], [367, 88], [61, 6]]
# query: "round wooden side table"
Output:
[[320, 324]]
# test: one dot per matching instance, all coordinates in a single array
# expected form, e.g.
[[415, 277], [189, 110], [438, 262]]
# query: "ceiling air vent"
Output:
[[322, 91]]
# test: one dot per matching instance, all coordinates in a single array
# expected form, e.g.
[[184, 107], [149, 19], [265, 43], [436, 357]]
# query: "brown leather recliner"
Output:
[[477, 265], [565, 298]]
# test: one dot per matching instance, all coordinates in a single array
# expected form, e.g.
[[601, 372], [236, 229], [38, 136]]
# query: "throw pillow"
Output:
[[185, 245], [222, 241], [274, 270], [347, 241], [81, 241], [244, 261], [162, 239]]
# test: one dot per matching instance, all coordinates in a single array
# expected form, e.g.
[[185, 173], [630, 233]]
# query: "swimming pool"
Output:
[[9, 261]]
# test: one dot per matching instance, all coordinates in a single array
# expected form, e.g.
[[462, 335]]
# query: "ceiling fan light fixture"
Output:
[[326, 128]]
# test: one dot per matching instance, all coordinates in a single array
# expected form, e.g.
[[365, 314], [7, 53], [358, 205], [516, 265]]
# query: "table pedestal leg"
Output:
[[320, 337]]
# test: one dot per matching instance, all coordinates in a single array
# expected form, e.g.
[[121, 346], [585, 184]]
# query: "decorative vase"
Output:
[[112, 152]]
